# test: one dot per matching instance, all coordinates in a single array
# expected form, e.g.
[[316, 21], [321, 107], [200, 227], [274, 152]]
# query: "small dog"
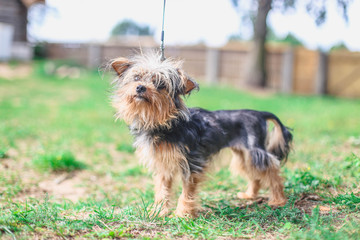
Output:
[[171, 138]]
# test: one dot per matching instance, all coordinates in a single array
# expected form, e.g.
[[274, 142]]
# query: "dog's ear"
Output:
[[189, 83], [120, 65]]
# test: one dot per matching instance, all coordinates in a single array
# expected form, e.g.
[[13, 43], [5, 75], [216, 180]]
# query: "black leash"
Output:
[[162, 48]]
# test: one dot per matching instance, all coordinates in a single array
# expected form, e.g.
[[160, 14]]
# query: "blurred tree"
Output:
[[40, 51], [288, 39], [339, 46], [257, 15], [292, 40], [129, 27], [235, 37]]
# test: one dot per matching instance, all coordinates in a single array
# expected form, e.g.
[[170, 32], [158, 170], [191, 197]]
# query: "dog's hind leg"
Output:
[[252, 190], [238, 165], [275, 183], [266, 167]]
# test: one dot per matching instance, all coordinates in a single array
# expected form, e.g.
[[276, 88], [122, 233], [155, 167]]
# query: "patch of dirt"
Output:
[[307, 202], [67, 186], [73, 186], [35, 185], [13, 72]]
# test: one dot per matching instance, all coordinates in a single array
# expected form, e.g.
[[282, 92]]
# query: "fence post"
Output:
[[6, 40], [94, 55], [287, 71], [321, 74], [212, 65]]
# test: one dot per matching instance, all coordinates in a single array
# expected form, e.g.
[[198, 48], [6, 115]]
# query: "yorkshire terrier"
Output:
[[172, 139]]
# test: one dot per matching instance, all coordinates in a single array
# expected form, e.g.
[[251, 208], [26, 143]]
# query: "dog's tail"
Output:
[[278, 141]]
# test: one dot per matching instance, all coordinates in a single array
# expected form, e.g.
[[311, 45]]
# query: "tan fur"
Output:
[[187, 203], [163, 185], [252, 191], [269, 178], [275, 138], [120, 65], [164, 158], [157, 110]]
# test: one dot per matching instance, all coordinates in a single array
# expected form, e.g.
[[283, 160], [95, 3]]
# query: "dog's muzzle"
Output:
[[140, 89]]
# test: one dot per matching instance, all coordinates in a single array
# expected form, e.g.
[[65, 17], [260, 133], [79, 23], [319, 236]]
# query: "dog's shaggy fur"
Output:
[[172, 139]]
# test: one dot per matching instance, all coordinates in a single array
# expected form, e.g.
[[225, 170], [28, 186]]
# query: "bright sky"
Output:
[[189, 21]]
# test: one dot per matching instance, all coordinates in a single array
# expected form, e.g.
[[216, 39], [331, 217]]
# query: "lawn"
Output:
[[68, 170]]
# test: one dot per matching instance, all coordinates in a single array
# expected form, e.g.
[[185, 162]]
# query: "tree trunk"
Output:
[[257, 66]]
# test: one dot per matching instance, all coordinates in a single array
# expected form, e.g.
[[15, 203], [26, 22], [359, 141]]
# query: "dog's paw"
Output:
[[277, 203], [185, 214], [159, 212], [244, 195], [184, 211]]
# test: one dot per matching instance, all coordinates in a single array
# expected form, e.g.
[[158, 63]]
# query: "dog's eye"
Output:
[[136, 78], [160, 86]]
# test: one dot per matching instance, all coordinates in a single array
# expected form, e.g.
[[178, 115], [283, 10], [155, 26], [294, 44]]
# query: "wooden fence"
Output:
[[344, 74], [290, 70]]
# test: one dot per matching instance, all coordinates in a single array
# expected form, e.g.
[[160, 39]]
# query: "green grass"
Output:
[[125, 147], [57, 162], [51, 126], [2, 153]]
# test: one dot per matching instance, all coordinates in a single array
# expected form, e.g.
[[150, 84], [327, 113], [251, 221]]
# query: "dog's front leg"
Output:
[[187, 205], [163, 184]]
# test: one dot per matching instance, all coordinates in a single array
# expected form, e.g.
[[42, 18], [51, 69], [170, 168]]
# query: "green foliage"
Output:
[[57, 162], [40, 51], [3, 153], [303, 181], [128, 27], [350, 201], [292, 40], [339, 46], [352, 164], [317, 10], [289, 39], [319, 229]]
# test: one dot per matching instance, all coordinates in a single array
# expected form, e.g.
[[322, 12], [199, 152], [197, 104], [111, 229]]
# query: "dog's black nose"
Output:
[[140, 89]]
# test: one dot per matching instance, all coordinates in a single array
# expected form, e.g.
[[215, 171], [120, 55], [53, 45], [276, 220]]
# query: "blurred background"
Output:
[[68, 169], [302, 47]]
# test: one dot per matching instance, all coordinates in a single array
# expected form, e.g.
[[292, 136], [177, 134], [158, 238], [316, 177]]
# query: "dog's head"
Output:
[[148, 91]]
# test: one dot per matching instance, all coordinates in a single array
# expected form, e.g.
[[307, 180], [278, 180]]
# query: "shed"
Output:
[[14, 13], [13, 29]]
